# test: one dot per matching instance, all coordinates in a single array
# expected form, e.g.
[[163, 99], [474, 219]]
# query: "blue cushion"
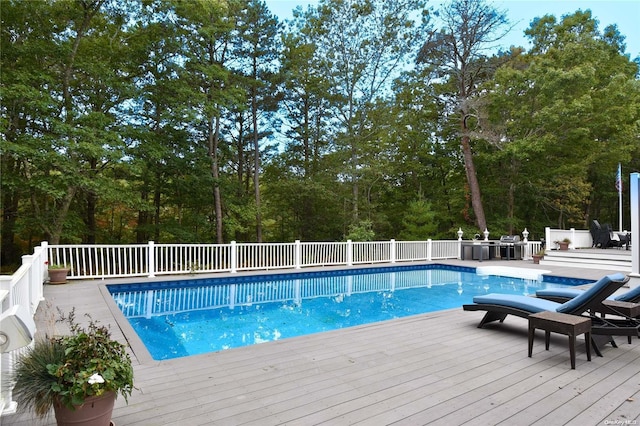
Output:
[[629, 296], [576, 302], [568, 293], [526, 303]]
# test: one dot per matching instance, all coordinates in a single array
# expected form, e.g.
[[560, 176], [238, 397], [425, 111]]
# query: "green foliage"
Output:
[[419, 222], [361, 231], [566, 113], [93, 364], [71, 368], [34, 389], [57, 266], [198, 121]]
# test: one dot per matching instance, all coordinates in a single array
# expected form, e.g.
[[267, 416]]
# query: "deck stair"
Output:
[[612, 258]]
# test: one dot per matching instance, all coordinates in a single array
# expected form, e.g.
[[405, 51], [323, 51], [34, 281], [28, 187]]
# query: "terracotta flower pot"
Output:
[[563, 245], [58, 276], [96, 411]]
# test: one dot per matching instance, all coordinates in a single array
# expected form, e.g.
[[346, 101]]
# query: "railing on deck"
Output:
[[580, 238], [112, 261], [23, 288]]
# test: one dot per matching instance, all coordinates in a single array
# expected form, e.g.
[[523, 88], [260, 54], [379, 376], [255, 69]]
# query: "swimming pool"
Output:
[[194, 316]]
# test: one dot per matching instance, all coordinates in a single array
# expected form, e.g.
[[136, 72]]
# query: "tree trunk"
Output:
[[214, 132], [92, 201], [142, 236], [472, 179], [54, 230], [354, 188], [256, 172], [241, 156], [92, 229], [157, 206]]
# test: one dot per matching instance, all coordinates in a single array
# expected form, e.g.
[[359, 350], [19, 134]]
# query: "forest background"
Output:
[[209, 121]]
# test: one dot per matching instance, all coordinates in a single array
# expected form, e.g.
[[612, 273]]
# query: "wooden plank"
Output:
[[427, 368]]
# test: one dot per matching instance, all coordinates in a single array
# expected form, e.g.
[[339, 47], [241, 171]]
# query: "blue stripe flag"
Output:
[[619, 179]]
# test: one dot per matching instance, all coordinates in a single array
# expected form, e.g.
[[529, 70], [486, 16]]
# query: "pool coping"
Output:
[[142, 354]]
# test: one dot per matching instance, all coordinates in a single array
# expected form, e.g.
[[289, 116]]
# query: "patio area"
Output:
[[432, 368]]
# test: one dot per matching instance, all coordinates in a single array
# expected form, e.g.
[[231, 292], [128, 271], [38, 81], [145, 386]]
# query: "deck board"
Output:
[[431, 368]]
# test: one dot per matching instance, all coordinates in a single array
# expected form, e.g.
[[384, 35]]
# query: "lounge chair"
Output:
[[604, 237], [564, 294], [498, 306], [625, 305]]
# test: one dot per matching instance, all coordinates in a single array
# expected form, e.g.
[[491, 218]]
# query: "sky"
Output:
[[624, 13]]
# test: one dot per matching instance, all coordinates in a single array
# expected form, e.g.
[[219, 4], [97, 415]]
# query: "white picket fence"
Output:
[[113, 261]]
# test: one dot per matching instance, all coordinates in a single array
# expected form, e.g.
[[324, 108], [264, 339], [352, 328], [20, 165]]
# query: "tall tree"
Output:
[[66, 146], [257, 51], [424, 164], [568, 113], [455, 52], [361, 46], [207, 33], [300, 182], [25, 38]]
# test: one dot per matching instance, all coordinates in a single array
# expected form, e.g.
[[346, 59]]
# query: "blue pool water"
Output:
[[189, 317]]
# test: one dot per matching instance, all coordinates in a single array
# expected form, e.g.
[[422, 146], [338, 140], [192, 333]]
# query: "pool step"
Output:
[[590, 258]]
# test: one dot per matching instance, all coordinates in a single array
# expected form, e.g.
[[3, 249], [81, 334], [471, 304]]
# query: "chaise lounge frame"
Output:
[[604, 328]]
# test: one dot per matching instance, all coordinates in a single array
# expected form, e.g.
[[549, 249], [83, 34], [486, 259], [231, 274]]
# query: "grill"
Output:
[[511, 247], [510, 239]]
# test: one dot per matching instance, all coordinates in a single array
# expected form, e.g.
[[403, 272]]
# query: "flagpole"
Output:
[[619, 185]]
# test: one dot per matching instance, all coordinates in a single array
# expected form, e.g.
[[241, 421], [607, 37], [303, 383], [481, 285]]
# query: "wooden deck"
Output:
[[434, 368]]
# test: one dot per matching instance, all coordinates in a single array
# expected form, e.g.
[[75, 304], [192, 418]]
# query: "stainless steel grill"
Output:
[[511, 247], [510, 239]]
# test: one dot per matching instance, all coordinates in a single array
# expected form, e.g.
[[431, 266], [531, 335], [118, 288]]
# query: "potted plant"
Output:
[[57, 273], [79, 375], [537, 256], [564, 244]]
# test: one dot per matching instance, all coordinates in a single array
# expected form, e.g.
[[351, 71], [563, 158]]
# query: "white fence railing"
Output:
[[112, 261], [579, 238], [25, 286]]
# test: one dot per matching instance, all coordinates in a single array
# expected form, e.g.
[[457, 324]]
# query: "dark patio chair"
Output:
[[604, 237], [498, 306], [626, 305]]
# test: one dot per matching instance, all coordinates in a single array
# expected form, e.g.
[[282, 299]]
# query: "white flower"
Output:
[[96, 378]]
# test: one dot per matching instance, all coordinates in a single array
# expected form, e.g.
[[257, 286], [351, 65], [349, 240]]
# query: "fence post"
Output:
[[45, 247], [349, 253], [634, 201], [151, 260], [298, 254], [42, 268], [32, 276], [573, 238], [5, 285], [429, 249], [234, 257], [392, 251], [547, 238]]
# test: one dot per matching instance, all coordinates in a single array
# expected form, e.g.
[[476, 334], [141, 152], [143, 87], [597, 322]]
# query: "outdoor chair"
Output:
[[498, 306], [626, 305], [564, 294], [604, 237]]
